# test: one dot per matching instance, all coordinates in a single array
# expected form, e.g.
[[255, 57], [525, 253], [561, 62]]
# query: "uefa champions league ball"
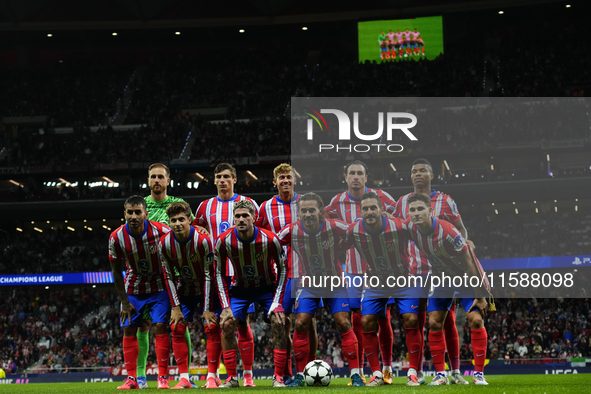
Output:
[[317, 373]]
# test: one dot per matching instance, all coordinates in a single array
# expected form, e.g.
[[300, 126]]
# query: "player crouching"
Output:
[[259, 276], [190, 254]]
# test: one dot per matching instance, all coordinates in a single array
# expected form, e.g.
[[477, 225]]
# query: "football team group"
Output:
[[230, 254]]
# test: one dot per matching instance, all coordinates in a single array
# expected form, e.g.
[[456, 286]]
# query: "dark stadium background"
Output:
[[175, 85]]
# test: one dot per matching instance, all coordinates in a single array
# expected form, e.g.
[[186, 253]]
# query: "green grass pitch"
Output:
[[431, 29], [515, 384]]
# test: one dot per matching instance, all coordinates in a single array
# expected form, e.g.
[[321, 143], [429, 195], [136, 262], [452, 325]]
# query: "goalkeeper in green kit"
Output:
[[157, 202]]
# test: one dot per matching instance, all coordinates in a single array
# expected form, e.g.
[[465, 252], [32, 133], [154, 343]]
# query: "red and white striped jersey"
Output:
[[444, 207], [385, 253], [318, 252], [274, 215], [217, 216], [193, 260], [258, 262], [145, 273], [346, 208], [441, 245]]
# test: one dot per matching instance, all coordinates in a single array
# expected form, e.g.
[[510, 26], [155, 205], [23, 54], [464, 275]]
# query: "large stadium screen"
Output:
[[400, 39]]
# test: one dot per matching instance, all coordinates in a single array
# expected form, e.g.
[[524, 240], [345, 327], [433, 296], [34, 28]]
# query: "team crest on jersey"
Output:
[[258, 257], [153, 249], [326, 245], [391, 246], [194, 258]]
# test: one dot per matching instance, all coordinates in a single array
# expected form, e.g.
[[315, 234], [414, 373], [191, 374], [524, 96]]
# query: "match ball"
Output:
[[317, 373]]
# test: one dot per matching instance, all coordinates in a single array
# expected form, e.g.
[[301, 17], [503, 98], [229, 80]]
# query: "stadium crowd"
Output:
[[46, 330]]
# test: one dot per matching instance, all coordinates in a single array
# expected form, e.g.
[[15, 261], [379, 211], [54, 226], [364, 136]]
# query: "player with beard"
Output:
[[143, 292], [258, 260], [157, 203], [316, 241], [444, 207], [383, 244], [445, 248], [346, 206]]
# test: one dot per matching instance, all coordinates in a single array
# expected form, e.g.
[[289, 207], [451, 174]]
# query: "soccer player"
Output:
[[407, 42], [274, 214], [191, 255], [156, 202], [448, 253], [444, 207], [258, 260], [383, 42], [144, 291], [383, 244], [420, 45], [216, 215], [345, 206], [316, 242]]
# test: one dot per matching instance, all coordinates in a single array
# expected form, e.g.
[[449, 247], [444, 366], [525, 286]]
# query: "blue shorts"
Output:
[[355, 293], [309, 302], [291, 285], [374, 302], [445, 303], [417, 287], [241, 299], [153, 306], [289, 296], [194, 304]]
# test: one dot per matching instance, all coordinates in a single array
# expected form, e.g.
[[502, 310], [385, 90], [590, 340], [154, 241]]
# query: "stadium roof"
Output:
[[142, 14]]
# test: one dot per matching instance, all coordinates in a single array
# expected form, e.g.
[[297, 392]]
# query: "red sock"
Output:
[[451, 339], [350, 345], [301, 350], [479, 342], [423, 49], [180, 349], [413, 343], [313, 338], [437, 346], [246, 346], [288, 368], [422, 320], [230, 361], [359, 334], [279, 358], [130, 352], [214, 347], [163, 352], [372, 349], [386, 337]]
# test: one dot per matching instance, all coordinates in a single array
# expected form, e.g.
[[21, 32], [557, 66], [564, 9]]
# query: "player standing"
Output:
[[191, 255], [144, 290], [216, 215], [345, 206], [258, 260], [448, 253], [383, 42], [383, 244], [419, 44], [316, 242], [444, 207], [274, 214], [156, 203]]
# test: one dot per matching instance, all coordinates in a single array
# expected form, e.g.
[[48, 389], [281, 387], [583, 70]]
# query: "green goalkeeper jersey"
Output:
[[157, 209]]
